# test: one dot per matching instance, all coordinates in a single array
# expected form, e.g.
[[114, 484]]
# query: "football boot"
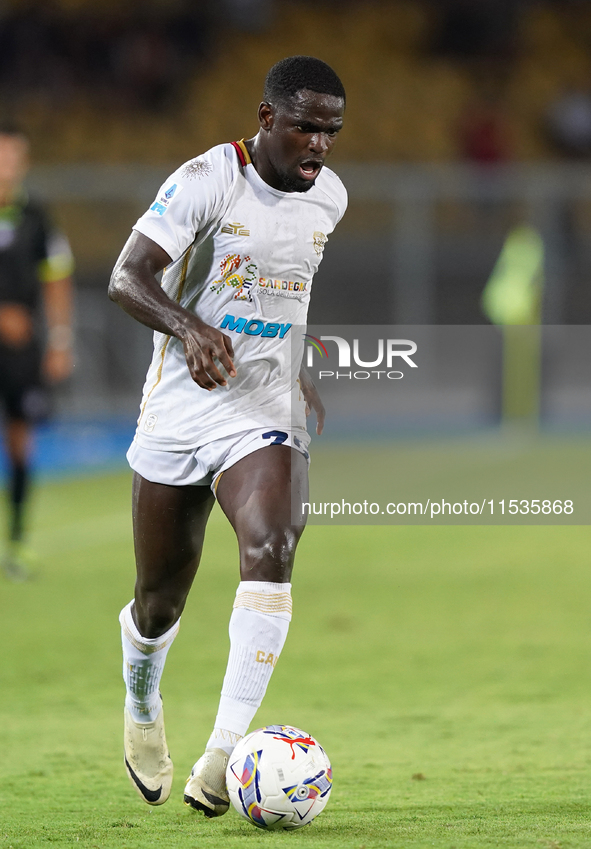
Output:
[[206, 789], [147, 759]]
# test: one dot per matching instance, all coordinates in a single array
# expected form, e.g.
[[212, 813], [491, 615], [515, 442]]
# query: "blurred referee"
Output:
[[35, 329]]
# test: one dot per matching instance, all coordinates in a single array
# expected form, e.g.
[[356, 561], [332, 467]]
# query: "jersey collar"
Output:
[[242, 151]]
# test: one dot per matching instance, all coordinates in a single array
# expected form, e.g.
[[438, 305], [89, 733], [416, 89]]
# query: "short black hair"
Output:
[[295, 73]]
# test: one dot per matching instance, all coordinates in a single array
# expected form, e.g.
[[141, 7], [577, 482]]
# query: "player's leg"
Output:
[[169, 528], [18, 449], [256, 495]]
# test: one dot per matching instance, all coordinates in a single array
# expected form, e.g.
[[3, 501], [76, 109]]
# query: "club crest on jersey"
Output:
[[319, 241], [235, 229], [237, 272]]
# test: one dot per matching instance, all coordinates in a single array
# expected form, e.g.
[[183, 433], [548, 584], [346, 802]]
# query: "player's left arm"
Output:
[[312, 399]]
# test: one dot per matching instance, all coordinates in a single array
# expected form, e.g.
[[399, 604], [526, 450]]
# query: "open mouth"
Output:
[[310, 169]]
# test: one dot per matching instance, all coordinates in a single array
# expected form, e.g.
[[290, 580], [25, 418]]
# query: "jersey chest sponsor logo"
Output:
[[241, 273], [254, 327], [238, 272], [285, 288], [235, 229]]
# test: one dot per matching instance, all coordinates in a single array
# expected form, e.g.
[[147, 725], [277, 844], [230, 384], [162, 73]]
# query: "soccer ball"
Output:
[[279, 777]]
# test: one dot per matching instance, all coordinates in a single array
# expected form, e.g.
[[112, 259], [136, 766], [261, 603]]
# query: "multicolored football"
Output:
[[279, 777]]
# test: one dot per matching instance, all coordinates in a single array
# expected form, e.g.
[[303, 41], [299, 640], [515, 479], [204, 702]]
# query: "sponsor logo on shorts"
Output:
[[254, 327]]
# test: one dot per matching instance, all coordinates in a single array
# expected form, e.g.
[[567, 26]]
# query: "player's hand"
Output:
[[312, 399], [57, 364], [204, 345]]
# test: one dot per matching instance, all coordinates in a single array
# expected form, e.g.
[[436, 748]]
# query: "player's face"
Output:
[[297, 137]]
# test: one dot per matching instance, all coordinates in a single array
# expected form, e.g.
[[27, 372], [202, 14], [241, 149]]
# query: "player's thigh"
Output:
[[168, 531], [260, 495]]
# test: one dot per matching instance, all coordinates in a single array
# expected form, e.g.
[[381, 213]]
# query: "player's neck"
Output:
[[262, 164]]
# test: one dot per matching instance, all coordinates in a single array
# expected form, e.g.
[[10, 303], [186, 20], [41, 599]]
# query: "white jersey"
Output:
[[244, 255]]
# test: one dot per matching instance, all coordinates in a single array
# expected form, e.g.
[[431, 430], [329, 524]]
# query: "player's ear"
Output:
[[266, 116]]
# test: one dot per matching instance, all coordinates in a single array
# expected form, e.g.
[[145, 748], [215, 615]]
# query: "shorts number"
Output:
[[280, 436]]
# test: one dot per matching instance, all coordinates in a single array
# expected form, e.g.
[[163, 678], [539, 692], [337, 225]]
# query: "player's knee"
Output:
[[269, 557], [154, 616]]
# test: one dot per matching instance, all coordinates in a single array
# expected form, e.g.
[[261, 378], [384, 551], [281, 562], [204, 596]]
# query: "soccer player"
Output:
[[35, 327], [240, 232]]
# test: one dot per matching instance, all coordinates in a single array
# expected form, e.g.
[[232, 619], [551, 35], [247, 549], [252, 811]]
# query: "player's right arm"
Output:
[[134, 287]]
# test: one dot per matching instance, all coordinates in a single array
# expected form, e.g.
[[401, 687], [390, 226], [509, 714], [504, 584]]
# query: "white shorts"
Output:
[[202, 466]]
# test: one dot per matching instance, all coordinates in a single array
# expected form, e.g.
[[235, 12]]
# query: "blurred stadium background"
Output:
[[465, 118]]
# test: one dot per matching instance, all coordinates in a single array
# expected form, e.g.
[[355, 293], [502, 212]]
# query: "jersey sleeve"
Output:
[[343, 201], [188, 201], [333, 188], [339, 195]]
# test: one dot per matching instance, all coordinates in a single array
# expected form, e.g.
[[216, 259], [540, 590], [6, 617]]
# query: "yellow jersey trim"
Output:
[[244, 150]]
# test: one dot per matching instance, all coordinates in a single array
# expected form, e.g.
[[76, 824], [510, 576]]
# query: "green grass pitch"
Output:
[[445, 670]]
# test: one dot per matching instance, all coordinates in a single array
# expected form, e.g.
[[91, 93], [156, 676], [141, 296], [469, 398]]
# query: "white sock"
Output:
[[258, 629], [143, 663]]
